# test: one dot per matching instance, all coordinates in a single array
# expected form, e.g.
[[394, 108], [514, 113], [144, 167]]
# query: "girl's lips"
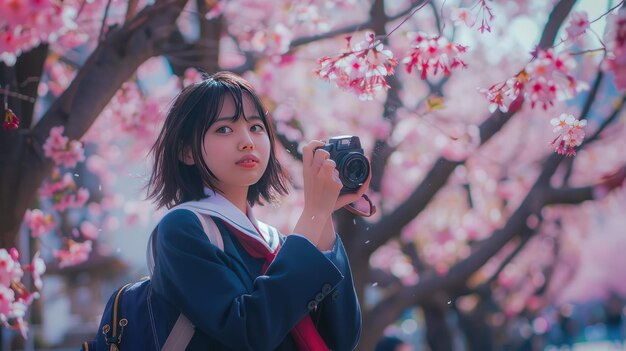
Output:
[[248, 161], [247, 164]]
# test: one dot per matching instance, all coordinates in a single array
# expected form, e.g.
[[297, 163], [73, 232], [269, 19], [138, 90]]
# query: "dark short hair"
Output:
[[193, 111]]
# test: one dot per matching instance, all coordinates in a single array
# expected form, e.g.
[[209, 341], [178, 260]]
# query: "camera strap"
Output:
[[358, 212]]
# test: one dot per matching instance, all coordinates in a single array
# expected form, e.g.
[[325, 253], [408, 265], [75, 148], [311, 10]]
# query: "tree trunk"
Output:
[[438, 334], [22, 164], [477, 332]]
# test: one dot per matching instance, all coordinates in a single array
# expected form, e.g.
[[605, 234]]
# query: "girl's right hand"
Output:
[[321, 180], [321, 190]]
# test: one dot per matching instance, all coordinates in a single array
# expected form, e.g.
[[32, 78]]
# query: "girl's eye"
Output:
[[223, 129], [257, 128]]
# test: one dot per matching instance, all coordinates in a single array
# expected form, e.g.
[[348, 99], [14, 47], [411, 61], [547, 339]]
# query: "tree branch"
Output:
[[112, 63], [454, 280], [369, 24], [436, 178], [568, 195]]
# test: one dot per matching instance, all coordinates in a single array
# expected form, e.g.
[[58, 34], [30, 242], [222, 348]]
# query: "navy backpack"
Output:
[[135, 317]]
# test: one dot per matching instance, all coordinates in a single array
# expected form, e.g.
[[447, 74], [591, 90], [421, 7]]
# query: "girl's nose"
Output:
[[246, 144]]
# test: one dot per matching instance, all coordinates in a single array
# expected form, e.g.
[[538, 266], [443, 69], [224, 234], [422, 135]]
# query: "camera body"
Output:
[[353, 166]]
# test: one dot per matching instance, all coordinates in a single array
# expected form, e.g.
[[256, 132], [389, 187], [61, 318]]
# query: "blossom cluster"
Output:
[[544, 80], [361, 68], [38, 222], [569, 132], [75, 253], [269, 27], [62, 150], [273, 28], [62, 192], [133, 113], [429, 54], [14, 296], [273, 41], [60, 75], [26, 24], [502, 95], [616, 58]]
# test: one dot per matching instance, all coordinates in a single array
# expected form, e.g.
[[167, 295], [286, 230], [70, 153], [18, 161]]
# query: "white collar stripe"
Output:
[[218, 206]]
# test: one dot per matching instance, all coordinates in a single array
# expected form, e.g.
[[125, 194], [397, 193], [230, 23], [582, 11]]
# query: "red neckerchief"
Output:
[[305, 334]]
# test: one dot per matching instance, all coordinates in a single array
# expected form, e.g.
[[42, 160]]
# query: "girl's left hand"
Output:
[[346, 199]]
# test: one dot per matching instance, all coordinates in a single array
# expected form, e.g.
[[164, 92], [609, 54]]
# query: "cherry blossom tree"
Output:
[[490, 163]]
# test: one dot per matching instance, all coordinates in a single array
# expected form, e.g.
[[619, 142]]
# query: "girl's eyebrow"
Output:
[[247, 118]]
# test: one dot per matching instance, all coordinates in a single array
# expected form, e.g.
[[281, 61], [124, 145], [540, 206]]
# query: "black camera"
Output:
[[353, 166]]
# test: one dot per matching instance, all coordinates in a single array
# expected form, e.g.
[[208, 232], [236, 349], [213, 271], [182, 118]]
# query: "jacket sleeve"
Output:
[[194, 275], [339, 314]]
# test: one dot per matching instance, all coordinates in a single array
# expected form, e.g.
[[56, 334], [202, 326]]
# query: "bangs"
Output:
[[239, 94]]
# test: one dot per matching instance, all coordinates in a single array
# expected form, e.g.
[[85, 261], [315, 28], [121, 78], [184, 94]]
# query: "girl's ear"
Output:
[[186, 156]]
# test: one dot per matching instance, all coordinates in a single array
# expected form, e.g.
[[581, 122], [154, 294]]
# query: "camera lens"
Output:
[[353, 170]]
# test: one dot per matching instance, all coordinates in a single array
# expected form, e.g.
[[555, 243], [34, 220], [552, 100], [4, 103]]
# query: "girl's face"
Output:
[[237, 152]]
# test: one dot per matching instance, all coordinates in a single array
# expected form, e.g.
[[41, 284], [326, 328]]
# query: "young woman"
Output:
[[263, 291]]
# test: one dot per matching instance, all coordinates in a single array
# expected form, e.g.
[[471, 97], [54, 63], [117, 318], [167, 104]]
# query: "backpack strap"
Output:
[[180, 336], [208, 225], [210, 229], [183, 329]]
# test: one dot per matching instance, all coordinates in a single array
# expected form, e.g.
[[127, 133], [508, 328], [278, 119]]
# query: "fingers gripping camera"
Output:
[[353, 166]]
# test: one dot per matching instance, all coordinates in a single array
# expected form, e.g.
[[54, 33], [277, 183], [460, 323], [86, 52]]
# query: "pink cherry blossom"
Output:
[[88, 22], [23, 299], [432, 54], [7, 297], [274, 41], [616, 57], [26, 24], [308, 15], [38, 222], [76, 253], [76, 200], [390, 258], [461, 15], [60, 76], [545, 80], [361, 68], [542, 91], [89, 230], [501, 96], [131, 118], [62, 192], [37, 268], [62, 150], [215, 9], [497, 98], [550, 77], [570, 134], [10, 269], [14, 297], [192, 76], [14, 254], [268, 27], [577, 25]]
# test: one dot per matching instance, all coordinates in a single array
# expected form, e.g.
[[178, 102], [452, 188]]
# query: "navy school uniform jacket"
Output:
[[234, 307]]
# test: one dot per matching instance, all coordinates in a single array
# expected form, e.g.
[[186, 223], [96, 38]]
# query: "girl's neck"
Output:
[[238, 198]]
